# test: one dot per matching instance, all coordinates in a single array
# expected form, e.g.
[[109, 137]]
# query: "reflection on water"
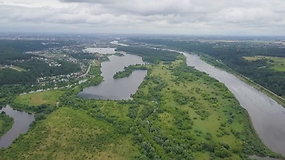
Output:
[[116, 89]]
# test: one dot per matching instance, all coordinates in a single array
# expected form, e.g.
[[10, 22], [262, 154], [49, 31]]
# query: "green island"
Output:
[[265, 67], [150, 55], [177, 113], [129, 70], [6, 123]]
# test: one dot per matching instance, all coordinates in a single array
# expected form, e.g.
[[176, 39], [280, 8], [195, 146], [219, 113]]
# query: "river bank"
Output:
[[220, 65], [267, 115], [22, 122]]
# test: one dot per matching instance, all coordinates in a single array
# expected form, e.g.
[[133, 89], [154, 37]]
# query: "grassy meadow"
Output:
[[177, 113], [50, 97]]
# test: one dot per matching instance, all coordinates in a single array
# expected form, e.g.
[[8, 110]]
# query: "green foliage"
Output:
[[274, 63], [84, 56], [30, 45], [50, 97], [70, 134], [177, 113], [180, 98], [94, 74], [230, 55], [133, 111], [129, 70], [6, 123], [35, 69], [149, 54], [12, 53]]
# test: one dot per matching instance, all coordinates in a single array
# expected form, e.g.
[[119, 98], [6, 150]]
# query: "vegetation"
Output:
[[177, 113], [36, 68], [275, 63], [12, 54], [232, 55], [149, 54], [20, 46], [220, 64], [40, 103], [16, 68], [84, 55], [129, 70], [39, 98], [94, 75], [6, 123], [9, 92], [71, 134]]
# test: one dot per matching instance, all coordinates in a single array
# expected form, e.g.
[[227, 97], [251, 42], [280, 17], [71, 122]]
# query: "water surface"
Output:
[[22, 121], [267, 116], [116, 89]]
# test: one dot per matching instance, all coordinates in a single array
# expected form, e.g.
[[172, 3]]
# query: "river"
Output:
[[116, 89], [22, 121], [267, 116]]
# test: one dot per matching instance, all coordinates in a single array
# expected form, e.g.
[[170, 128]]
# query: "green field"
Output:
[[6, 123], [35, 99], [177, 113], [275, 63], [129, 70]]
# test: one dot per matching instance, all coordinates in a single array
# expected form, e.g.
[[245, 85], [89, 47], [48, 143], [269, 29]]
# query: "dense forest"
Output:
[[35, 69], [232, 53], [149, 54], [12, 53], [14, 49], [177, 113], [31, 45]]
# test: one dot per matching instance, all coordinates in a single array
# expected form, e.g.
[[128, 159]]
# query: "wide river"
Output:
[[22, 121], [116, 89], [267, 116]]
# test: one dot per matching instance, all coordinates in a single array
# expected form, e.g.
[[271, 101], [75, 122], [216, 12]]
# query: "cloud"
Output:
[[145, 16]]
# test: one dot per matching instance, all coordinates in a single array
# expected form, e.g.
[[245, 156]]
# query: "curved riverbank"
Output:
[[22, 122], [6, 123], [267, 115], [219, 64]]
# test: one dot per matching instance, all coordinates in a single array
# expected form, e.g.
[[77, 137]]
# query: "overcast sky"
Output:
[[198, 17]]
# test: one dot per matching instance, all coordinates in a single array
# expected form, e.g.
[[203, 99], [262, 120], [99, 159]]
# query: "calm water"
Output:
[[22, 121], [116, 89], [267, 116]]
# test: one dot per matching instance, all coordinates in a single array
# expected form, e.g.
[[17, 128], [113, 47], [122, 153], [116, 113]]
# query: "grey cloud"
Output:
[[163, 16]]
